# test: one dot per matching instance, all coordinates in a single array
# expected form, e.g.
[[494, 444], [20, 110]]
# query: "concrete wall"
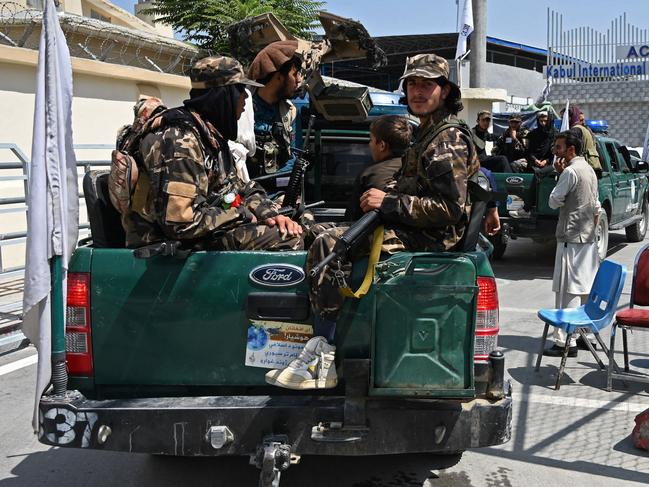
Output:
[[623, 104], [103, 100], [518, 82]]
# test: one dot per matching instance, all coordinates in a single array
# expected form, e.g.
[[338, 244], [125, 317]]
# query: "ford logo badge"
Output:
[[514, 180], [277, 275]]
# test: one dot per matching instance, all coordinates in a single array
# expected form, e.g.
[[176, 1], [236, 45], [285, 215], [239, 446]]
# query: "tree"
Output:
[[205, 22]]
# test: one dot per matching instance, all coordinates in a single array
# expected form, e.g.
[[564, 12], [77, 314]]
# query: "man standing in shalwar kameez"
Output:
[[576, 259]]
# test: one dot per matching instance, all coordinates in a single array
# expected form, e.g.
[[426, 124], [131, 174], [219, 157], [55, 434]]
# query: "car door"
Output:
[[620, 184], [631, 181]]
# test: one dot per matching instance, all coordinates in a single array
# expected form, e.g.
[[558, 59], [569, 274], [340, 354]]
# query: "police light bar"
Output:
[[597, 126]]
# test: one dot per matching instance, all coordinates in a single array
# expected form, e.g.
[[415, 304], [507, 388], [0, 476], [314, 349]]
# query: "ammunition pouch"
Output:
[[273, 150]]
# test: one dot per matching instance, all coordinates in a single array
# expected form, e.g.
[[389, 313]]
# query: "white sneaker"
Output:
[[520, 213], [314, 368]]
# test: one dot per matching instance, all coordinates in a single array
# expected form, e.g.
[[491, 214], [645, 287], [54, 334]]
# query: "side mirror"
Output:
[[642, 166]]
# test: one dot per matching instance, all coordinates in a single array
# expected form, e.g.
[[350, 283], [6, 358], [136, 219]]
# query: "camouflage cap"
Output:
[[484, 114], [215, 71], [515, 117], [429, 66], [426, 66]]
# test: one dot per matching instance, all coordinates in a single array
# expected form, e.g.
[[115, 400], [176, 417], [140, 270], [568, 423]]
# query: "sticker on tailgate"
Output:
[[514, 202], [272, 345]]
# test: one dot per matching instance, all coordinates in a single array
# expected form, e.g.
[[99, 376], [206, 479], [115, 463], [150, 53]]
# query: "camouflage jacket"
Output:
[[186, 171], [427, 203]]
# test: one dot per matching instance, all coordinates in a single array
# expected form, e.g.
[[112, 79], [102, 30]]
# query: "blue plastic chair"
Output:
[[597, 313]]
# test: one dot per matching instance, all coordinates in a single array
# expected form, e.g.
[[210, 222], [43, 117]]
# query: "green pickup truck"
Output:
[[622, 193], [167, 355]]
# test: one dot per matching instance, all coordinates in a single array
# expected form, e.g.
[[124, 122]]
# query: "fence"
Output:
[[95, 39], [14, 178], [584, 54]]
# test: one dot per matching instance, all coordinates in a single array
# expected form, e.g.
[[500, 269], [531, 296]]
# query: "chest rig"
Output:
[[413, 179]]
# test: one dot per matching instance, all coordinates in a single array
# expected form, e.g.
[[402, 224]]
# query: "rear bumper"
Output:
[[180, 426], [537, 228]]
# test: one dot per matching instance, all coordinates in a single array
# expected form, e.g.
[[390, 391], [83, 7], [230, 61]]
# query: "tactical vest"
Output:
[[413, 173], [414, 180], [274, 146]]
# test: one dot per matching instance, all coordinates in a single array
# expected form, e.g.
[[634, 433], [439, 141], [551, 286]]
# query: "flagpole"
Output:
[[59, 372]]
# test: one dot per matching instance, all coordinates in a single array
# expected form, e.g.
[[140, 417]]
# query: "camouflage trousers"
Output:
[[257, 237], [324, 293]]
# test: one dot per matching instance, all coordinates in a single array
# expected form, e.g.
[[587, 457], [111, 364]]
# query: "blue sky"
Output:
[[521, 21]]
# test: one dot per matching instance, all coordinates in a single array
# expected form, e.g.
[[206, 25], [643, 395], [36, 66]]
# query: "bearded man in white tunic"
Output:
[[576, 260]]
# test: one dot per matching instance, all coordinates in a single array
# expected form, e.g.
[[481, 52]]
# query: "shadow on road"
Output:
[[626, 446], [527, 260], [72, 468]]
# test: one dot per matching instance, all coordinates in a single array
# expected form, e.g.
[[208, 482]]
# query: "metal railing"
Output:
[[19, 171]]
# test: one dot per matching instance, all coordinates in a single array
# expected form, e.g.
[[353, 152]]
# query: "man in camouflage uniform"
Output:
[[513, 144], [188, 189], [424, 209]]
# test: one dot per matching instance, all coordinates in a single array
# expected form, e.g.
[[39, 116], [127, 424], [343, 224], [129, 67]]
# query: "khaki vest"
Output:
[[287, 113], [577, 215]]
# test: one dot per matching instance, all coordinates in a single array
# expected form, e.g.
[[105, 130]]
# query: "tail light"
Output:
[[78, 343], [486, 330]]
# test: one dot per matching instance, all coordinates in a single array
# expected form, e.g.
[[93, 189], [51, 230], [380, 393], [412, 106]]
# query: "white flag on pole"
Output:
[[52, 200], [565, 122], [546, 91], [464, 29]]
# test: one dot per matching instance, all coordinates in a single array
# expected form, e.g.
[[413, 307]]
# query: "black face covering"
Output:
[[218, 106], [549, 127]]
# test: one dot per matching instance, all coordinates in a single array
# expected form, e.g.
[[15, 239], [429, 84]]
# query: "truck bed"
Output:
[[183, 326]]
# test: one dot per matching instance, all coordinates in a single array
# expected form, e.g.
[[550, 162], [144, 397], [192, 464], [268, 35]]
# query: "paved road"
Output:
[[578, 436]]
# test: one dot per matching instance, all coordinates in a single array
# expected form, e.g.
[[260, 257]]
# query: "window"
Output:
[[343, 158], [612, 156], [623, 162]]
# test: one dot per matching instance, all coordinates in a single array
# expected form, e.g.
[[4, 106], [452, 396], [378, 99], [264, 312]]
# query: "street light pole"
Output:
[[479, 45]]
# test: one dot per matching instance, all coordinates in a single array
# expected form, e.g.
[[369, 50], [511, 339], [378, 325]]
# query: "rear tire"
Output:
[[499, 246], [637, 231], [601, 234]]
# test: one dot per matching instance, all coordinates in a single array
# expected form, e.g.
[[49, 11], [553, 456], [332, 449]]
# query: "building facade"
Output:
[[606, 74], [116, 58]]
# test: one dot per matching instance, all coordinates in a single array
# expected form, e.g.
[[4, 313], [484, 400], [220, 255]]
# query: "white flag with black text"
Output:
[[464, 29]]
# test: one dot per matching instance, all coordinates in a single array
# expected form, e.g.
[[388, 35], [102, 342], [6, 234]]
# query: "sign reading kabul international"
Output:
[[582, 71], [272, 344], [632, 52]]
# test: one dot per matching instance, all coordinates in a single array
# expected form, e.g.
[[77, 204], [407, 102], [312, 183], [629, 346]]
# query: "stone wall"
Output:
[[623, 104]]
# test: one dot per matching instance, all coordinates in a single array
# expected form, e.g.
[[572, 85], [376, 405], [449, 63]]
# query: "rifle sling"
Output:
[[375, 253]]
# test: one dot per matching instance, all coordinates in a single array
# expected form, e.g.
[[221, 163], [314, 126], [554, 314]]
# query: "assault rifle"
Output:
[[296, 211], [348, 240], [295, 188]]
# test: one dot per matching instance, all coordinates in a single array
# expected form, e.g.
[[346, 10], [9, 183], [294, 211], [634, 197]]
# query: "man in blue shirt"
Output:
[[278, 67]]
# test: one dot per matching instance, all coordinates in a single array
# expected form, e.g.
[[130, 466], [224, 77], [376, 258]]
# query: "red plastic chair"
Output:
[[631, 318]]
